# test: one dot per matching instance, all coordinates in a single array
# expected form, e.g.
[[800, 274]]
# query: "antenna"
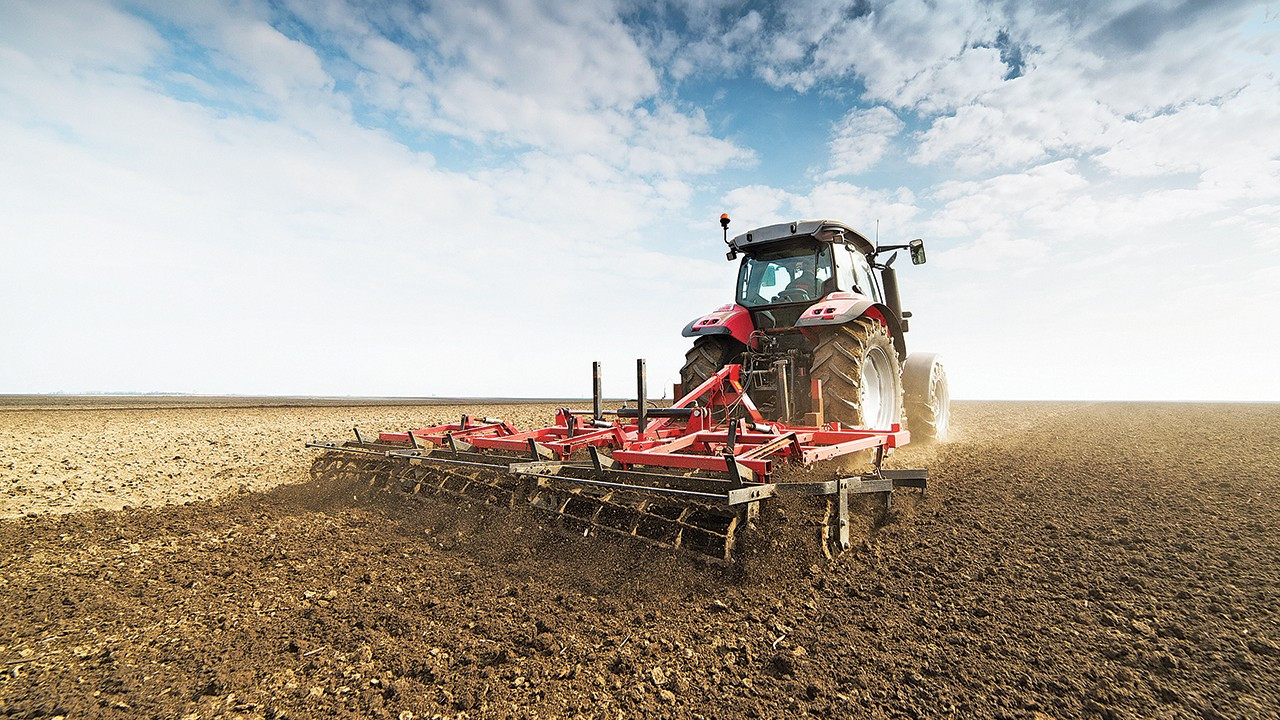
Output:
[[877, 232]]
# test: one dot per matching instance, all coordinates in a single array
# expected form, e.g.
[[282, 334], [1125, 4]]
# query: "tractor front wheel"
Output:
[[860, 373], [928, 398]]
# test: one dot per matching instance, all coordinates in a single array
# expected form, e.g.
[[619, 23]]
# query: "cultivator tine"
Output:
[[538, 451], [600, 462], [841, 503], [739, 474], [457, 446]]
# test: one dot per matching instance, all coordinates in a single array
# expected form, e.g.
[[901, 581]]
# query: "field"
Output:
[[170, 558]]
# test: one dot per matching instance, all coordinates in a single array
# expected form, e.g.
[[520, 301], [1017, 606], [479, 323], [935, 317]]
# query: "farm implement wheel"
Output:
[[859, 370], [488, 485], [336, 467], [703, 531], [927, 396]]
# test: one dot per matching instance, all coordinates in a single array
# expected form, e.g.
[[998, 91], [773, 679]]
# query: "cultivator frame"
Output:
[[688, 477]]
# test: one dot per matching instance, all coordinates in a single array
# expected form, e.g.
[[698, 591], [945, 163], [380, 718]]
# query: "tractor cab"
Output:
[[788, 267]]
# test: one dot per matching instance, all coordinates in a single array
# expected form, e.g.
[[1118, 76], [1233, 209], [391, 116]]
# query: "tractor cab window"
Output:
[[863, 277], [795, 273]]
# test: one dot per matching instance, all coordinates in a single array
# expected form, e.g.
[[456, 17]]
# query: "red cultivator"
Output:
[[687, 476]]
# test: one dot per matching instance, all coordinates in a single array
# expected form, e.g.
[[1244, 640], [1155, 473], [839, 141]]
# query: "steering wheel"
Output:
[[793, 295]]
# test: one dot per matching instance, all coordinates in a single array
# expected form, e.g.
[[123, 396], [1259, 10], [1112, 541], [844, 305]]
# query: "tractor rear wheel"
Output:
[[928, 398], [861, 375], [705, 359]]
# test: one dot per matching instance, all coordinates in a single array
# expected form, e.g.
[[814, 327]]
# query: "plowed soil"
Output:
[[1068, 560]]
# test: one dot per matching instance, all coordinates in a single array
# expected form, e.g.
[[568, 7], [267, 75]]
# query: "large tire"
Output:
[[861, 375], [927, 396], [705, 359]]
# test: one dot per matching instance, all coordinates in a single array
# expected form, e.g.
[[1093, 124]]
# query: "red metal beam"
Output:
[[696, 443]]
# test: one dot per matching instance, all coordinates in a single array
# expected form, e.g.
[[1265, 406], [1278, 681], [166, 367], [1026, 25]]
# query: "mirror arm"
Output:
[[885, 248], [887, 263]]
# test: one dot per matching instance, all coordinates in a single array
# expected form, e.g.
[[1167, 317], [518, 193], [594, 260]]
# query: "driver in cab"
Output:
[[802, 285]]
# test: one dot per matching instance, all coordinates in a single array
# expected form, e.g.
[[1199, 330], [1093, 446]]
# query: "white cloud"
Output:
[[277, 64], [1201, 136], [755, 205], [1044, 198], [719, 49], [80, 33], [553, 77], [576, 55], [893, 47], [860, 139]]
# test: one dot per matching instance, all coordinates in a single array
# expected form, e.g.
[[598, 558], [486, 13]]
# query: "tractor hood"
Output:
[[817, 230]]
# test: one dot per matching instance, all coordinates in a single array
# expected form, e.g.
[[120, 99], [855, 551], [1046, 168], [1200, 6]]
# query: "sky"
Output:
[[331, 197]]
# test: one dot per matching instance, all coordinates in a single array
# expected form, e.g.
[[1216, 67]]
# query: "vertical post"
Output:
[[641, 403], [842, 514], [784, 390], [596, 399]]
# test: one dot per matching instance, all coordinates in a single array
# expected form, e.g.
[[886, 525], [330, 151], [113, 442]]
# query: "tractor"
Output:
[[806, 367], [819, 331]]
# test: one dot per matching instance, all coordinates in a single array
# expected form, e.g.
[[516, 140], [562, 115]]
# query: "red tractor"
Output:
[[819, 330]]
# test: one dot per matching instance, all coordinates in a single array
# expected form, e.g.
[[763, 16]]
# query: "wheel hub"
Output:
[[876, 394]]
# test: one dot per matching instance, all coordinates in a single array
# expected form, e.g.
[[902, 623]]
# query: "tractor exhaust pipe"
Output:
[[889, 278]]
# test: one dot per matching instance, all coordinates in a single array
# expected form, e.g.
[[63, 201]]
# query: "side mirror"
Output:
[[771, 275], [917, 251]]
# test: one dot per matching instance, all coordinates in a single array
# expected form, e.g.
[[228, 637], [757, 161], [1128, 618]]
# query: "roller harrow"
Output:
[[689, 477]]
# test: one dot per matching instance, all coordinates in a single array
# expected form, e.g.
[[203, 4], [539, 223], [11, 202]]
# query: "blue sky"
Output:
[[481, 198]]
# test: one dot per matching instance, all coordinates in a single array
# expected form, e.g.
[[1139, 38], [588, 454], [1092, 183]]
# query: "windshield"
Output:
[[796, 273]]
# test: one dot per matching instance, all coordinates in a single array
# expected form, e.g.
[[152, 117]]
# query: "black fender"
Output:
[[842, 311]]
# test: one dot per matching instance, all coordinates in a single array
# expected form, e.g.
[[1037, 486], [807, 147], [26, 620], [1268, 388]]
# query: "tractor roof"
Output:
[[817, 230]]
